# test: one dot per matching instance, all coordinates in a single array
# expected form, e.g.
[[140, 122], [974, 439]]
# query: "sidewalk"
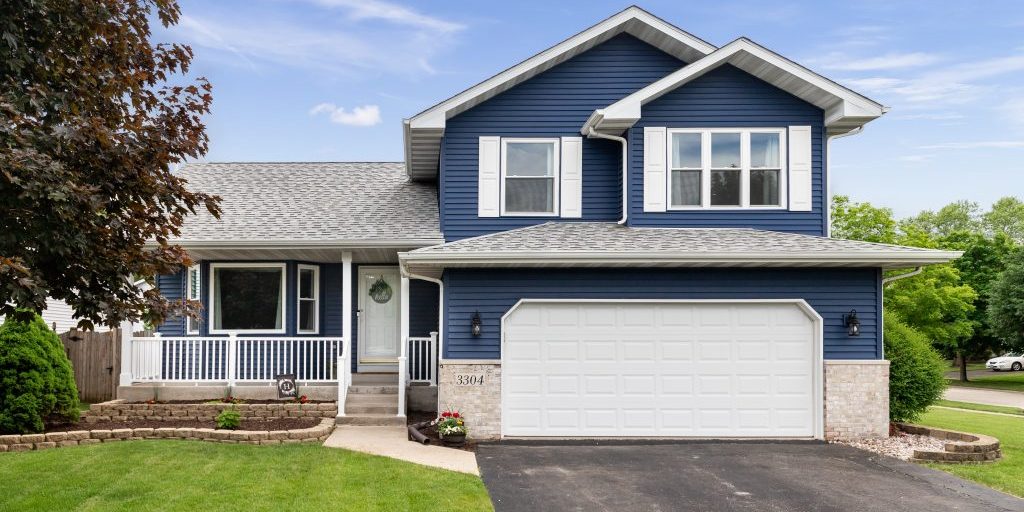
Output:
[[393, 442], [985, 396]]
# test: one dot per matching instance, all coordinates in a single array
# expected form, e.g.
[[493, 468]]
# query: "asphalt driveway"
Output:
[[719, 476]]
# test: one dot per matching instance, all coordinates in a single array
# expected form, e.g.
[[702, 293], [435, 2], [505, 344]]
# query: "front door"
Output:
[[379, 322]]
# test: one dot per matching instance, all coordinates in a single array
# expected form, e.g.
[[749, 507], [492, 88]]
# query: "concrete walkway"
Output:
[[393, 442], [985, 396]]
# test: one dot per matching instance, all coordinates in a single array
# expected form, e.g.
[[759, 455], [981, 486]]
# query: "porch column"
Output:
[[348, 308], [403, 367], [127, 331]]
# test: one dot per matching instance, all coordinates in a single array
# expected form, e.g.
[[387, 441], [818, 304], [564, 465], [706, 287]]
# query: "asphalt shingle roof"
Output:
[[311, 202]]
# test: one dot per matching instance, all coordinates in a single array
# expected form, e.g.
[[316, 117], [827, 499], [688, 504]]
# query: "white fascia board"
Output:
[[562, 258], [847, 103], [303, 244]]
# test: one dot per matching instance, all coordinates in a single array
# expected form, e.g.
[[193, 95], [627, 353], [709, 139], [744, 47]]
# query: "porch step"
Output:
[[374, 390], [379, 379], [377, 420], [351, 408]]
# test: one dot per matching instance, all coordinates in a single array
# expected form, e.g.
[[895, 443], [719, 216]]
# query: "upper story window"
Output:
[[529, 176], [192, 290], [247, 297], [308, 299], [726, 168]]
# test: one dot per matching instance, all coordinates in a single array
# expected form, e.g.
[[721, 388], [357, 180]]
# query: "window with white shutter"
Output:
[[489, 180], [800, 176], [572, 177]]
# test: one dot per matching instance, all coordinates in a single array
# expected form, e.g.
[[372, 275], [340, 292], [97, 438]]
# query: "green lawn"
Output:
[[1006, 475], [981, 407], [1009, 381], [189, 475], [970, 366]]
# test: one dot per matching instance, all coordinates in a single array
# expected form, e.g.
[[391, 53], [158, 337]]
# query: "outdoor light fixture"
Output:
[[475, 324], [852, 323]]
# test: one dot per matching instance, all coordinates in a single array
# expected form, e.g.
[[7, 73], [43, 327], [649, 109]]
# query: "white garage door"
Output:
[[704, 369]]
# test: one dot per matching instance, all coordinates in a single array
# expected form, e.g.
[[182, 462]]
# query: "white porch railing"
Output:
[[234, 359], [423, 359]]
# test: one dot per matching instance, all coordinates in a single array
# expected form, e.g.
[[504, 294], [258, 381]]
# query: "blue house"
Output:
[[626, 234]]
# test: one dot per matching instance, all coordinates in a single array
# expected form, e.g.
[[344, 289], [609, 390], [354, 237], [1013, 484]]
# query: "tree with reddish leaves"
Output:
[[90, 127]]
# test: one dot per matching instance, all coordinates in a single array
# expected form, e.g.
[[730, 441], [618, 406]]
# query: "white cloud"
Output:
[[982, 144], [366, 115], [375, 9], [890, 61], [931, 116]]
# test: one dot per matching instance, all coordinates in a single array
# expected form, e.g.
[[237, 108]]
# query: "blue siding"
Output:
[[729, 97], [831, 292], [552, 104], [172, 286]]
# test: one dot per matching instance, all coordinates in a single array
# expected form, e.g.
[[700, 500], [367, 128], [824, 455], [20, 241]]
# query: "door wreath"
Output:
[[380, 291]]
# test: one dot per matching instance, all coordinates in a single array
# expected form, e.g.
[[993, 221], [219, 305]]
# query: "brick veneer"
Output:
[[480, 403], [21, 443], [118, 410], [856, 399]]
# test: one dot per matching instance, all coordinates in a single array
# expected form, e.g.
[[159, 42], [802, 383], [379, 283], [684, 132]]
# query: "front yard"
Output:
[[1006, 475], [187, 476], [1009, 381]]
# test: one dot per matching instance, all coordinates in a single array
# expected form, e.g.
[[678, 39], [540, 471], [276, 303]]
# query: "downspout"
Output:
[[912, 273], [440, 313], [591, 133], [828, 177]]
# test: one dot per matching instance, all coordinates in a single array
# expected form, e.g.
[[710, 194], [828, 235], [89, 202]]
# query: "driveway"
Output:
[[719, 476], [985, 396]]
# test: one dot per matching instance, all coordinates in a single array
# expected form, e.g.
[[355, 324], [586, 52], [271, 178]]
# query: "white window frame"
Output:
[[192, 324], [705, 180], [556, 177], [284, 297], [315, 299]]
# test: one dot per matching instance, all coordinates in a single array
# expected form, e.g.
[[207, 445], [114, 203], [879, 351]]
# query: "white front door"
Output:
[[635, 368], [379, 310]]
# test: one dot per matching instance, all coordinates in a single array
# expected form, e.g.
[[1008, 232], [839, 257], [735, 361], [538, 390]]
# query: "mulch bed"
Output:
[[431, 431], [247, 424]]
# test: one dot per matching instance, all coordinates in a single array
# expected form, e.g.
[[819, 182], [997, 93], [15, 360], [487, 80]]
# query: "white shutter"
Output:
[[489, 186], [800, 175], [571, 180], [655, 154]]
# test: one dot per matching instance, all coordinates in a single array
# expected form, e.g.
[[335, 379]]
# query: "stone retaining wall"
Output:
[[963, 447], [27, 442], [118, 410]]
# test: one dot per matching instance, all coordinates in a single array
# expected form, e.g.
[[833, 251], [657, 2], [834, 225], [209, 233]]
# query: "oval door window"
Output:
[[380, 291]]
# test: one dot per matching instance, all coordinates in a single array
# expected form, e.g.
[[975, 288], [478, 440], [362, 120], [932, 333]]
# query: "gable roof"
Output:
[[607, 244], [423, 131], [343, 204], [845, 110]]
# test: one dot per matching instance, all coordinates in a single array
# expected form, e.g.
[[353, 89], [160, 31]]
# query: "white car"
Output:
[[1013, 361]]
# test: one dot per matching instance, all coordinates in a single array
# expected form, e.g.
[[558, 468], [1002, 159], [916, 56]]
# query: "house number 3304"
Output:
[[469, 380]]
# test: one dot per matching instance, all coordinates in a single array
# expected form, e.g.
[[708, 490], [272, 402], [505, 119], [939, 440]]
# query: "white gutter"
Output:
[[440, 313], [828, 176], [303, 244], [591, 133], [912, 273]]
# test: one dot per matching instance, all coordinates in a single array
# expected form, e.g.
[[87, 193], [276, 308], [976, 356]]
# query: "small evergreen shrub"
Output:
[[229, 419], [37, 384], [916, 372]]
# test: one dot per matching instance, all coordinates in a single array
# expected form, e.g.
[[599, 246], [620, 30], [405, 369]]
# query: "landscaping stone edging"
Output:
[[27, 442], [963, 447], [119, 410]]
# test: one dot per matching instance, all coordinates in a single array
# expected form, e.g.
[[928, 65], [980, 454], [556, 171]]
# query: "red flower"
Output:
[[446, 414], [455, 415]]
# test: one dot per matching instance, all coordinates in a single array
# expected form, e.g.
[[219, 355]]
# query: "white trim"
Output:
[[845, 109], [299, 298], [493, 362], [488, 188], [859, 362], [284, 297], [818, 342], [305, 244], [745, 168], [440, 313], [384, 364], [555, 177], [571, 179], [192, 325], [655, 169]]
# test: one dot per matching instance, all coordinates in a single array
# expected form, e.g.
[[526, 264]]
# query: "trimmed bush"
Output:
[[916, 372], [229, 419], [36, 381]]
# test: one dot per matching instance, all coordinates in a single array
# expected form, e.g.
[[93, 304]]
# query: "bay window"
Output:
[[247, 297], [726, 168]]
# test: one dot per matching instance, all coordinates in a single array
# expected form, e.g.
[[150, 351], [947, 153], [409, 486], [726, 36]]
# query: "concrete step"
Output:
[[378, 420], [373, 390], [371, 399], [351, 408], [375, 378]]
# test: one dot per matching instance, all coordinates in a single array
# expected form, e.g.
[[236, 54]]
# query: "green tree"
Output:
[[937, 304], [90, 126], [1006, 217], [862, 221], [36, 382], [1006, 302], [957, 216], [916, 371]]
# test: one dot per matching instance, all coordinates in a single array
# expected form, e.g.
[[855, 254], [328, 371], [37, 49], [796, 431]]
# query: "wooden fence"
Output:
[[96, 360]]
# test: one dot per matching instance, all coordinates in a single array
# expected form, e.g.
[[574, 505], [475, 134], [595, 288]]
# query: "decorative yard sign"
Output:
[[286, 386]]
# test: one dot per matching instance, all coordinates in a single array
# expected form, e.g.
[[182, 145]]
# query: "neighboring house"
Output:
[[61, 317], [624, 235]]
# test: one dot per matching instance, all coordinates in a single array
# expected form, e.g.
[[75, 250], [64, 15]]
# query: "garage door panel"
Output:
[[646, 369]]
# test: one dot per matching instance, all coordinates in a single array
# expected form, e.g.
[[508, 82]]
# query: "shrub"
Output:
[[229, 419], [916, 371], [1006, 302], [37, 384]]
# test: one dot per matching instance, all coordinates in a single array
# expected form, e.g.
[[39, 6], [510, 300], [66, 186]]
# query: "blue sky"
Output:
[[331, 80]]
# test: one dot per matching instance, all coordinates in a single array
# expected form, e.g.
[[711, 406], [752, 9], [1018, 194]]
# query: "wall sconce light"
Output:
[[475, 324], [852, 323]]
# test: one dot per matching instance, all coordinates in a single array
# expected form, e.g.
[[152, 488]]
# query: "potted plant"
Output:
[[451, 427]]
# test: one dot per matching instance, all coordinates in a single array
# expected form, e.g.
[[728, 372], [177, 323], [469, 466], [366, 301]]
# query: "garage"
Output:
[[668, 368]]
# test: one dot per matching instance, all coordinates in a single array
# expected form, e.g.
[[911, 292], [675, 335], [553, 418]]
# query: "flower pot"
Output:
[[454, 439]]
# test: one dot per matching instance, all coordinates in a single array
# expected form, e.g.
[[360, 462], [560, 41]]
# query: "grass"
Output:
[[184, 475], [981, 407], [1009, 381], [970, 366], [1004, 475]]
